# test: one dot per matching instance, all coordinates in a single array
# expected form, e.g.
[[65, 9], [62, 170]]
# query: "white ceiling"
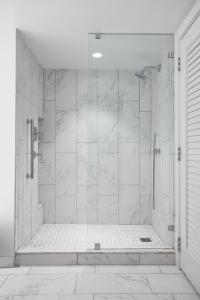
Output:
[[57, 30]]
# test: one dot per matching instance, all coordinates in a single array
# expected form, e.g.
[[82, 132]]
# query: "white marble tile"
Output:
[[2, 280], [108, 210], [27, 73], [108, 259], [86, 85], [146, 93], [134, 297], [82, 198], [92, 205], [45, 259], [14, 271], [107, 90], [47, 163], [65, 209], [112, 283], [128, 121], [38, 284], [65, 131], [46, 196], [186, 297], [145, 132], [129, 204], [128, 85], [86, 163], [87, 121], [65, 173], [65, 89], [137, 269], [107, 174], [108, 131], [62, 270], [47, 126], [129, 163], [170, 269], [145, 209], [157, 258], [49, 84], [170, 283], [145, 174], [53, 297]]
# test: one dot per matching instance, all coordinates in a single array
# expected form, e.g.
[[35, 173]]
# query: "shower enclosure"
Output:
[[99, 146]]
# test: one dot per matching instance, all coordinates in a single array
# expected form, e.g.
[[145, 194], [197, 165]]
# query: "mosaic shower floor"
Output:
[[82, 238]]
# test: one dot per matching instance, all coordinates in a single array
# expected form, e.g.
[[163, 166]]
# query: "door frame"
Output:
[[179, 34]]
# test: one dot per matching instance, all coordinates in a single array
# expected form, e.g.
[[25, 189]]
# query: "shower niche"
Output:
[[103, 186]]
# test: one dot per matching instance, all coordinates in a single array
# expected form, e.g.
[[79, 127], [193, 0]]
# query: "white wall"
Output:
[[7, 132]]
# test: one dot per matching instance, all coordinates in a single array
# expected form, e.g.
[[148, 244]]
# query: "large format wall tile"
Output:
[[129, 121], [108, 131], [145, 132], [65, 173], [107, 174], [47, 126], [87, 121], [47, 163], [128, 85], [145, 209], [129, 163], [145, 174], [66, 90], [46, 196], [65, 131], [86, 85], [129, 204], [65, 209], [108, 90], [87, 163], [49, 85], [108, 210]]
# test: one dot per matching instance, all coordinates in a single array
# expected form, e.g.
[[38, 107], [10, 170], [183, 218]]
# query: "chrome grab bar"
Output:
[[34, 138], [155, 152]]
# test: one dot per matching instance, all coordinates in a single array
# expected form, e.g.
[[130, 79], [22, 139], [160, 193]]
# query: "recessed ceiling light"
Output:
[[97, 55]]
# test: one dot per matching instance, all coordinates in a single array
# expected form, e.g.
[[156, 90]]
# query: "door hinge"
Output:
[[179, 244], [179, 153], [171, 54], [179, 64]]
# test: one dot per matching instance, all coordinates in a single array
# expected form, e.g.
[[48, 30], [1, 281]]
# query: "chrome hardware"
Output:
[[179, 154], [35, 154], [31, 174], [179, 64], [155, 152], [179, 244], [171, 227], [171, 54], [36, 134], [97, 246]]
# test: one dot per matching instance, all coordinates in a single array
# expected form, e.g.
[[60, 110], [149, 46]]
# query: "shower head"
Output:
[[141, 74]]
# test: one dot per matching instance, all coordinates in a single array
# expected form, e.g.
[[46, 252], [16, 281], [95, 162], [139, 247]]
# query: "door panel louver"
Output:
[[193, 150]]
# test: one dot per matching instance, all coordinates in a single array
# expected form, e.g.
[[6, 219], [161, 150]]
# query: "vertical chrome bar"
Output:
[[31, 174], [154, 169]]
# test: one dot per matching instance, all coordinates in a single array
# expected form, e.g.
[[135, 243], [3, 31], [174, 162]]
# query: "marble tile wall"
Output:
[[95, 144], [162, 124], [29, 104]]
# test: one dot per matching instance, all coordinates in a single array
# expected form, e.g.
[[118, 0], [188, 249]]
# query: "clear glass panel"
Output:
[[130, 115]]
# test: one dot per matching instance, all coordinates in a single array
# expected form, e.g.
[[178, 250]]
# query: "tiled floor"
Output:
[[95, 283], [81, 238]]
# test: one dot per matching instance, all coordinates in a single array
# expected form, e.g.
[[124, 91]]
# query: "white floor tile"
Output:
[[170, 269], [2, 279], [112, 283], [128, 269], [186, 297], [62, 270], [13, 271], [20, 285], [53, 297], [78, 237], [170, 283], [134, 297]]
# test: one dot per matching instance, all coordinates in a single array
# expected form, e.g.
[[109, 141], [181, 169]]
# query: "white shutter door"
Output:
[[190, 165]]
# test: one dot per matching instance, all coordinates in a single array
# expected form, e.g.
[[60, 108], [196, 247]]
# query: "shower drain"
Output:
[[145, 240]]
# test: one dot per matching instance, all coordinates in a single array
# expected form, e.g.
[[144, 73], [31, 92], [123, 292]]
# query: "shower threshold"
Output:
[[75, 244]]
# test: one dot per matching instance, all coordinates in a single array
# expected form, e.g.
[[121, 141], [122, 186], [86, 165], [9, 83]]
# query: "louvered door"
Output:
[[190, 143]]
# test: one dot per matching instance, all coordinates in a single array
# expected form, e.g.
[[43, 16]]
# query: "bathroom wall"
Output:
[[29, 104], [95, 145], [162, 124]]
